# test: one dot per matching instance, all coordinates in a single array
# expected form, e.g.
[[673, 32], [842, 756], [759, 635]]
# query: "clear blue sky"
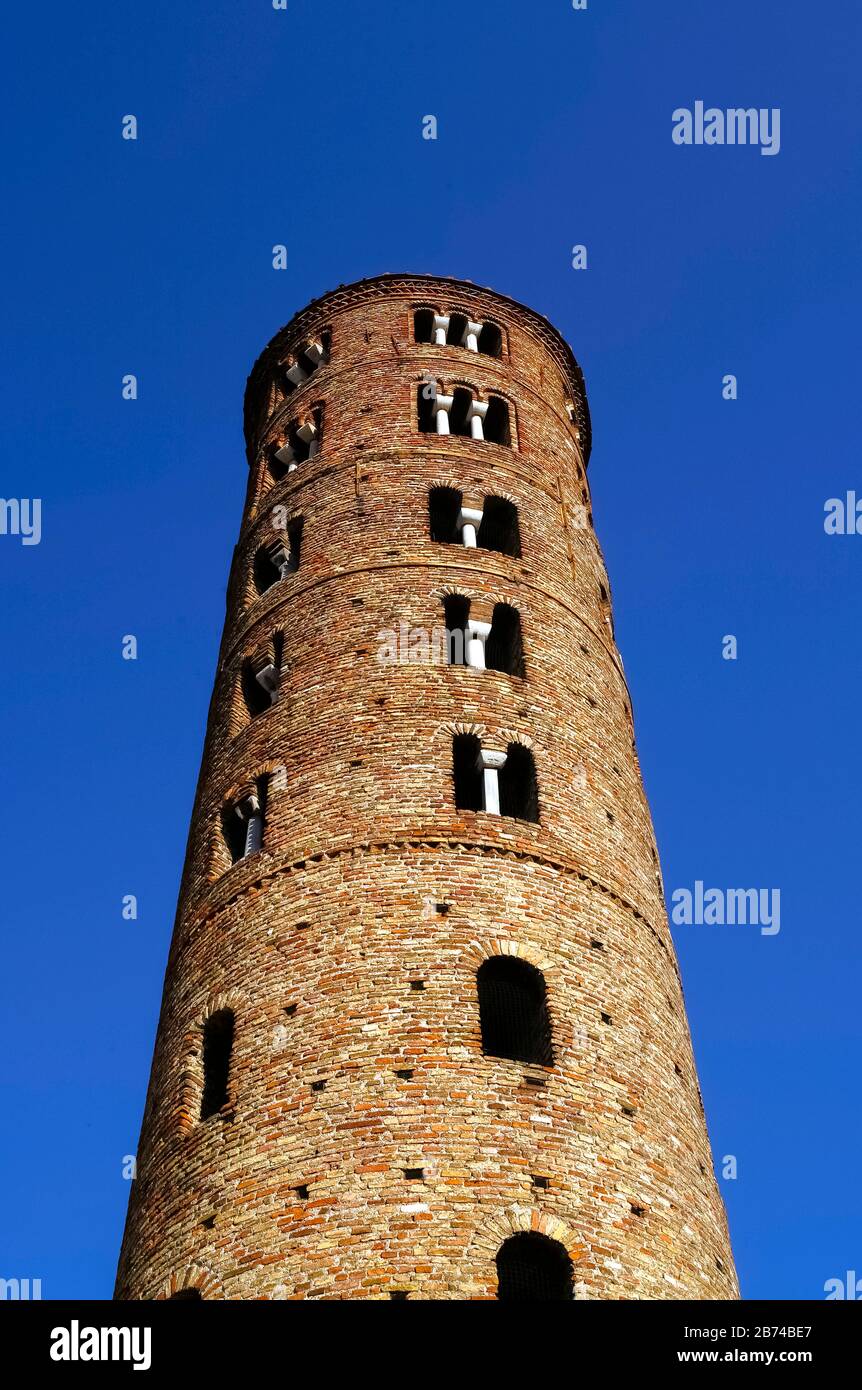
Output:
[[154, 257]]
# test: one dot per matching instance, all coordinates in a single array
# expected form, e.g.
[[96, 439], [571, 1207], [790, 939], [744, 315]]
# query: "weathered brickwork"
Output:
[[348, 946]]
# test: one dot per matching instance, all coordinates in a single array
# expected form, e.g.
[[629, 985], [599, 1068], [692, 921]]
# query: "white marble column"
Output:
[[477, 636], [470, 338], [267, 679], [295, 374], [468, 523], [492, 762], [441, 328], [249, 812], [476, 415], [441, 406]]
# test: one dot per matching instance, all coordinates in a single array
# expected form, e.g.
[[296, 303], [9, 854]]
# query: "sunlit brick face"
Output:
[[422, 1033]]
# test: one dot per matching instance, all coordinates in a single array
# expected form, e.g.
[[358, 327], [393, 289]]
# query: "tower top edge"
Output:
[[355, 292]]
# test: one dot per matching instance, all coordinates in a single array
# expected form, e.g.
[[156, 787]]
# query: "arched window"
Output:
[[499, 529], [467, 772], [444, 507], [423, 326], [278, 559], [605, 605], [217, 1049], [457, 610], [459, 413], [497, 422], [513, 1011], [491, 340], [186, 1294], [504, 649], [519, 790], [533, 1268], [426, 393], [302, 441], [457, 330]]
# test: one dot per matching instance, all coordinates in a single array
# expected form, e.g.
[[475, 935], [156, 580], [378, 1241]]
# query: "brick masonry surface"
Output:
[[348, 945]]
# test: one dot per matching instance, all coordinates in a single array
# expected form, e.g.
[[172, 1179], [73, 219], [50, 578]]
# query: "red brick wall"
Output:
[[315, 940]]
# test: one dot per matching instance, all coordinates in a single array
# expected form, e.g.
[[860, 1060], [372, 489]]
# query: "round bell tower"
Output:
[[422, 1033]]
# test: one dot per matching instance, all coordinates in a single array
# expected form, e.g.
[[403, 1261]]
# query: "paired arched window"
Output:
[[501, 783], [304, 362], [278, 559], [259, 678], [217, 1049], [494, 646], [493, 526], [513, 1011], [302, 440], [533, 1268]]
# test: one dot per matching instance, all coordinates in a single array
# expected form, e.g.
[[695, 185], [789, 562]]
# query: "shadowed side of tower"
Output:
[[422, 1032]]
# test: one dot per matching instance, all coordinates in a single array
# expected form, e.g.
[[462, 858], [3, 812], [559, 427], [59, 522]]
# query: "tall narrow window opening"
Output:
[[513, 1011], [217, 1049]]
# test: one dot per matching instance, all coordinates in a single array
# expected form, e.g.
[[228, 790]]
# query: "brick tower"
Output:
[[422, 1033]]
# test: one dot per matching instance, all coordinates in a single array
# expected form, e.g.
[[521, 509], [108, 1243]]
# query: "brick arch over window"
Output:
[[194, 1279], [479, 951], [448, 731], [489, 1238]]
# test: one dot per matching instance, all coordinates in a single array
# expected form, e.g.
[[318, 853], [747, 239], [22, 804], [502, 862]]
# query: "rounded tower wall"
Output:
[[347, 946]]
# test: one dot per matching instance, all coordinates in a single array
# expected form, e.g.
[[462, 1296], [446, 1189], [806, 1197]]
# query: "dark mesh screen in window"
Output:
[[513, 1011]]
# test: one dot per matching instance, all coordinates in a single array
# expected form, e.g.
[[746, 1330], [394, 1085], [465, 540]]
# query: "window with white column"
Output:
[[278, 559], [243, 823], [491, 526], [302, 439], [299, 365], [461, 413], [501, 782], [260, 677]]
